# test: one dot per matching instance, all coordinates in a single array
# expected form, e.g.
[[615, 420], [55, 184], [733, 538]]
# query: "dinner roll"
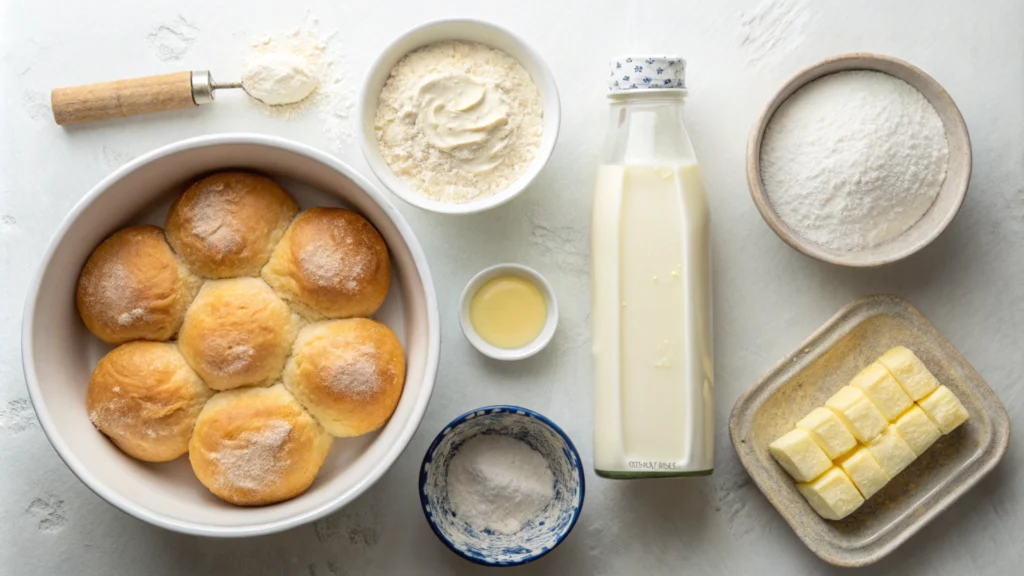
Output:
[[347, 373], [133, 287], [227, 224], [237, 333], [146, 398], [257, 446], [331, 263]]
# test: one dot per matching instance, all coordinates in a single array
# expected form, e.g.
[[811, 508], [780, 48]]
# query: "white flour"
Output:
[[498, 483], [854, 159], [773, 28], [321, 60], [280, 78], [305, 50], [459, 120]]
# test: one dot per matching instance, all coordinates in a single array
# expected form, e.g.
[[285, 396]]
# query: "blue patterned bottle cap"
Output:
[[646, 72]]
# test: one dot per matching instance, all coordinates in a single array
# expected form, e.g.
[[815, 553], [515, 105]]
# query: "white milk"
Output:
[[651, 297]]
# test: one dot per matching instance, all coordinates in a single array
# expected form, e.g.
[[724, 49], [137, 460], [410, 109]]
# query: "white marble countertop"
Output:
[[969, 283]]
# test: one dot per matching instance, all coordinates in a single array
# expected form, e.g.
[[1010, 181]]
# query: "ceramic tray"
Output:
[[825, 362]]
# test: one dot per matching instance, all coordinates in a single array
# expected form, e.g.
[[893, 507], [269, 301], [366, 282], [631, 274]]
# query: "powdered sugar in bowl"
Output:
[[501, 450], [859, 160]]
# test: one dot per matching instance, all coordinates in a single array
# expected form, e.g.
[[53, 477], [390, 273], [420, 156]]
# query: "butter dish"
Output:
[[821, 366]]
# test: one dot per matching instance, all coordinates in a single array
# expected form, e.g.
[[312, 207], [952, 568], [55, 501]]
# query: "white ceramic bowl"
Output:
[[538, 343], [59, 353], [471, 31]]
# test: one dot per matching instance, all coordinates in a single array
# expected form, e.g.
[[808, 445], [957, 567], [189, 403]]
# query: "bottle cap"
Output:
[[647, 72]]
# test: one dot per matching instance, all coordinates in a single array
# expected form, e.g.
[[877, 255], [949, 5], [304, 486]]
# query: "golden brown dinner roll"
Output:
[[348, 374], [146, 398], [227, 224], [237, 333], [331, 263], [257, 446], [134, 287]]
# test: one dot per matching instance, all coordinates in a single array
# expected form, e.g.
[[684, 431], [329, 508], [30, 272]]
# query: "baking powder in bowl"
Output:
[[458, 121], [498, 483], [854, 159]]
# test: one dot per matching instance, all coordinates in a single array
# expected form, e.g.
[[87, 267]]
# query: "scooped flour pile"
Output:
[[853, 160], [299, 69]]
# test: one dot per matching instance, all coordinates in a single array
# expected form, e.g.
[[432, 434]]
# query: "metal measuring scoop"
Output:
[[136, 96]]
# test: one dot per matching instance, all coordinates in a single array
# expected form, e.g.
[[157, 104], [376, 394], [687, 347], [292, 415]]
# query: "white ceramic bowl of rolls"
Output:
[[466, 30], [262, 457]]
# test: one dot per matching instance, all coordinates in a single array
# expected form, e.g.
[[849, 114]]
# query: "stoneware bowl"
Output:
[[538, 536], [821, 365], [935, 220], [59, 353], [490, 350], [470, 31]]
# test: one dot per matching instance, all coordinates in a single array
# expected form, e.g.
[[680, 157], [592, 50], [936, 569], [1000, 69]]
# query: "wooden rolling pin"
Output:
[[132, 97]]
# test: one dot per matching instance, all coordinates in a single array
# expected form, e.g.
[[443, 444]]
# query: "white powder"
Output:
[[255, 459], [294, 60], [332, 264], [459, 121], [498, 483], [280, 78], [854, 159], [321, 60], [353, 372], [131, 317], [207, 218], [773, 28]]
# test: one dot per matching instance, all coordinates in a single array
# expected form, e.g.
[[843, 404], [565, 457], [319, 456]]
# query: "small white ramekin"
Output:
[[490, 350], [471, 31]]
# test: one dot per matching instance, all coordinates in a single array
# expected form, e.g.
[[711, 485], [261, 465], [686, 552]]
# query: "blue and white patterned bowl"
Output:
[[540, 535]]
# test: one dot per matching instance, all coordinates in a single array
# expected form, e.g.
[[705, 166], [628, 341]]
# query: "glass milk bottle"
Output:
[[651, 283]]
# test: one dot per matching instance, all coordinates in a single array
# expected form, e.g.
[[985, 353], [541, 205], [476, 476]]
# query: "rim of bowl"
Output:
[[484, 411], [535, 345], [865, 61], [368, 140], [195, 528]]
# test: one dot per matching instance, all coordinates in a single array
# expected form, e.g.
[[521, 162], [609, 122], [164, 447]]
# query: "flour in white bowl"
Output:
[[498, 483], [854, 159], [458, 121]]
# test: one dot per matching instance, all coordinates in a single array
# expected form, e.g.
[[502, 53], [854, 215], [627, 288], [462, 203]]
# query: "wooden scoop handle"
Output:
[[122, 98]]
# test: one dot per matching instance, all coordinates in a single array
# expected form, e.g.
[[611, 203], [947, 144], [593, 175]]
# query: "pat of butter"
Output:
[[944, 408], [859, 414], [917, 429], [915, 378], [833, 496], [883, 390], [799, 455], [865, 471], [892, 452], [828, 431]]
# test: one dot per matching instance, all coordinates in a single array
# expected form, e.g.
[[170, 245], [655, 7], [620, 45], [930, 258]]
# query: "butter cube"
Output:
[[882, 389], [859, 414], [865, 471], [944, 408], [891, 452], [915, 378], [828, 431], [833, 496], [799, 455], [917, 429]]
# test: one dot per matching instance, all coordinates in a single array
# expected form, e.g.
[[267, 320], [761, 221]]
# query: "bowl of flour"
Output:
[[458, 116], [502, 485], [860, 160]]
